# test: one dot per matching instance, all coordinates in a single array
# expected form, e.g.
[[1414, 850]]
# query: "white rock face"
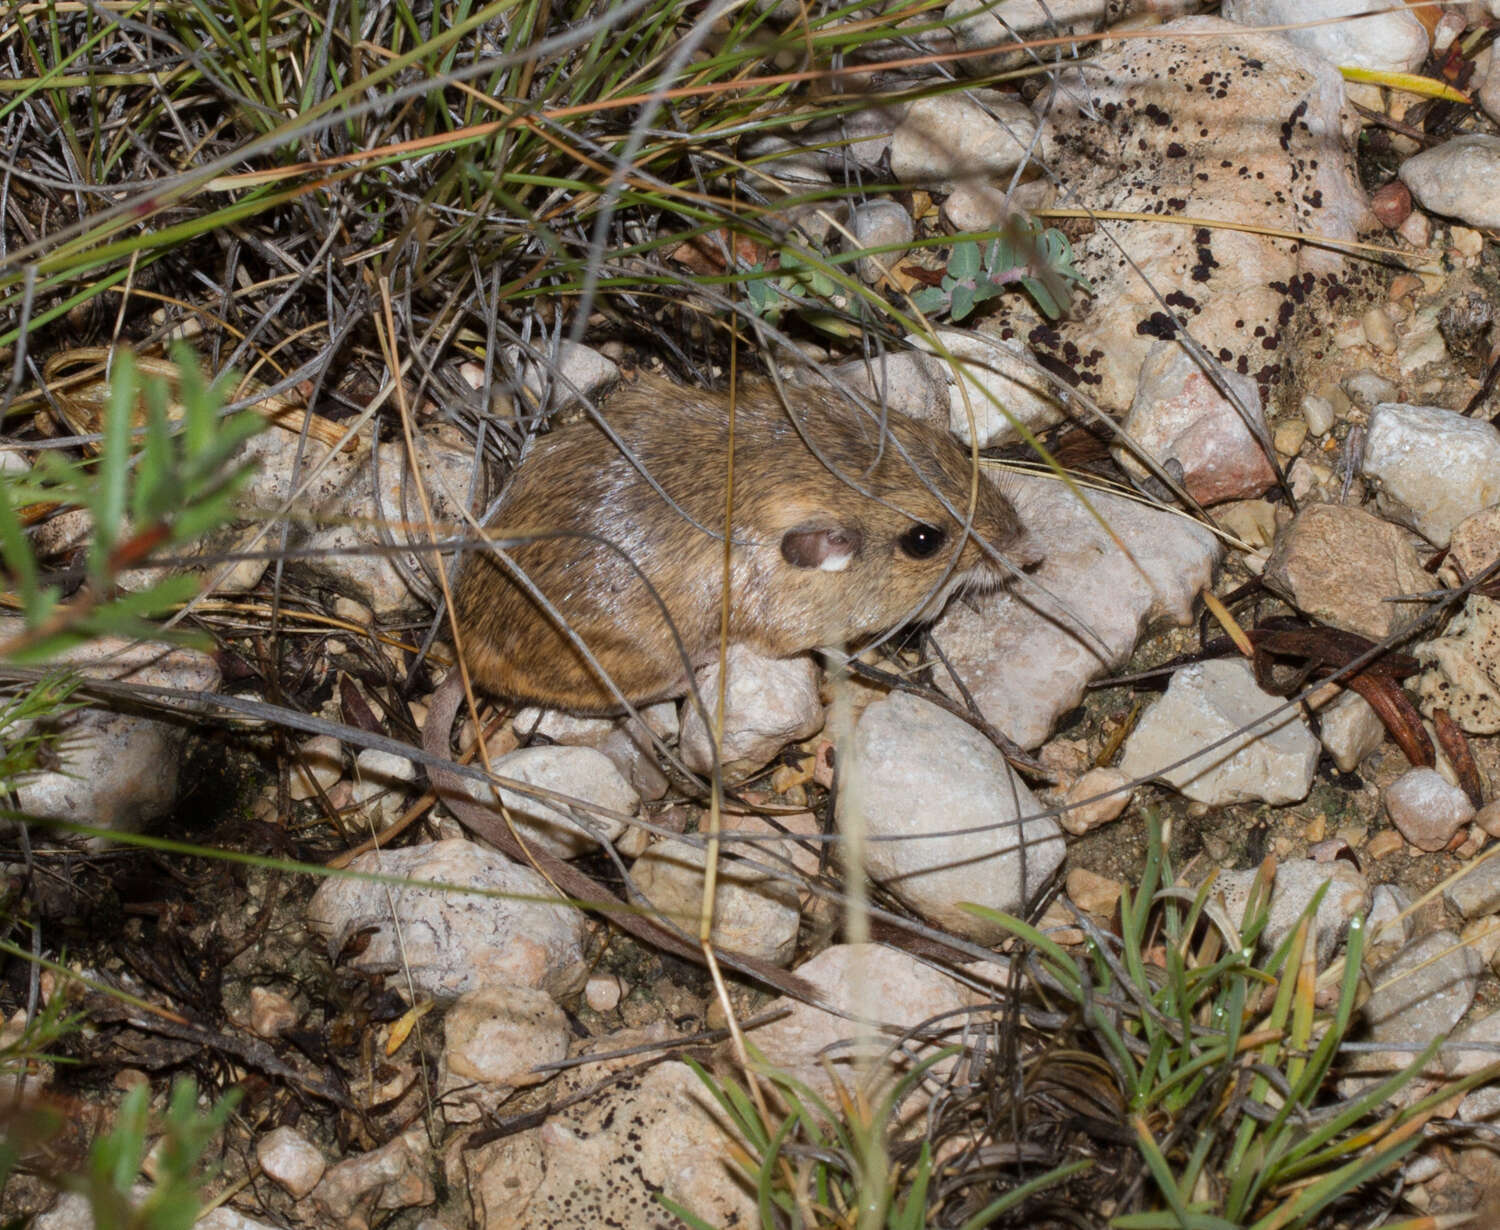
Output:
[[1431, 467], [1426, 809], [876, 224], [1418, 995], [1350, 729], [291, 1160], [1459, 178], [1385, 922], [381, 779], [998, 389], [581, 773], [387, 496], [573, 367], [1347, 897], [754, 914], [1178, 415], [276, 476], [1096, 798], [1463, 668], [1343, 567], [950, 138], [1475, 543], [863, 136], [1394, 41], [492, 1039], [1484, 1037], [982, 23], [869, 982], [768, 703], [453, 941], [118, 771], [394, 1176], [1273, 761], [625, 741], [1027, 653], [906, 380], [559, 727], [1476, 893], [913, 770]]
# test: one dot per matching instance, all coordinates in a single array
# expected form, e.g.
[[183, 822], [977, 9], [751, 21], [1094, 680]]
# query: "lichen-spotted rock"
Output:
[[1205, 120], [606, 1160], [1463, 671]]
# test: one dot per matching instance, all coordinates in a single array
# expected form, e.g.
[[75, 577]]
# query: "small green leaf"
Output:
[[929, 300], [963, 300], [964, 264], [108, 493]]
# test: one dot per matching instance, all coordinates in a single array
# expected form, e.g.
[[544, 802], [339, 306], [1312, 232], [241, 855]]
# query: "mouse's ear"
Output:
[[828, 548]]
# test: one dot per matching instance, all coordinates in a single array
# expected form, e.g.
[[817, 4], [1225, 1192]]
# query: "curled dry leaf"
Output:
[[704, 254], [1456, 747]]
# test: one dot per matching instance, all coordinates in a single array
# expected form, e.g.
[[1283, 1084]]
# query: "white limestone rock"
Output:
[[1272, 761]]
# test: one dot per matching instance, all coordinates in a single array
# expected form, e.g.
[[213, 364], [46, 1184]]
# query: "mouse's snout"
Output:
[[1025, 552]]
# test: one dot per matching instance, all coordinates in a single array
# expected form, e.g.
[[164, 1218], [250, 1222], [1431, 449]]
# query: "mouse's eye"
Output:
[[923, 541]]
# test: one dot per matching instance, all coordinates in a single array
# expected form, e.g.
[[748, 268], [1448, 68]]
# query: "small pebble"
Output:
[[1368, 389], [1468, 243], [1093, 893], [1318, 412], [1456, 179], [1404, 286], [271, 1013], [1348, 334], [1488, 817], [1289, 436], [1083, 816], [291, 1160], [1387, 841], [1379, 330], [1391, 203], [1253, 522], [603, 992], [1417, 229], [1450, 25]]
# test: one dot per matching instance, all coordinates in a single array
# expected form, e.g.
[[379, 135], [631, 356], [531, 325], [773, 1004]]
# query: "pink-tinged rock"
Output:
[[1026, 654], [1178, 415], [291, 1160], [1426, 809], [394, 1176]]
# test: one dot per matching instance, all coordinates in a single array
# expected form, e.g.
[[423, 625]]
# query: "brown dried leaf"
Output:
[[1399, 715], [1456, 747]]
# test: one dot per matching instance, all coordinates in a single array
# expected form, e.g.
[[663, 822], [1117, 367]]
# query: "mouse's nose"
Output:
[[1025, 552]]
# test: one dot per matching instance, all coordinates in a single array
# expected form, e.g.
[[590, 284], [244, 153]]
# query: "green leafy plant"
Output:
[[792, 285], [176, 486], [1039, 261], [174, 1199], [147, 491]]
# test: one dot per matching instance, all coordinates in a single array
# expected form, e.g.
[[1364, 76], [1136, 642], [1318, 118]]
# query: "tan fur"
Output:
[[575, 483]]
